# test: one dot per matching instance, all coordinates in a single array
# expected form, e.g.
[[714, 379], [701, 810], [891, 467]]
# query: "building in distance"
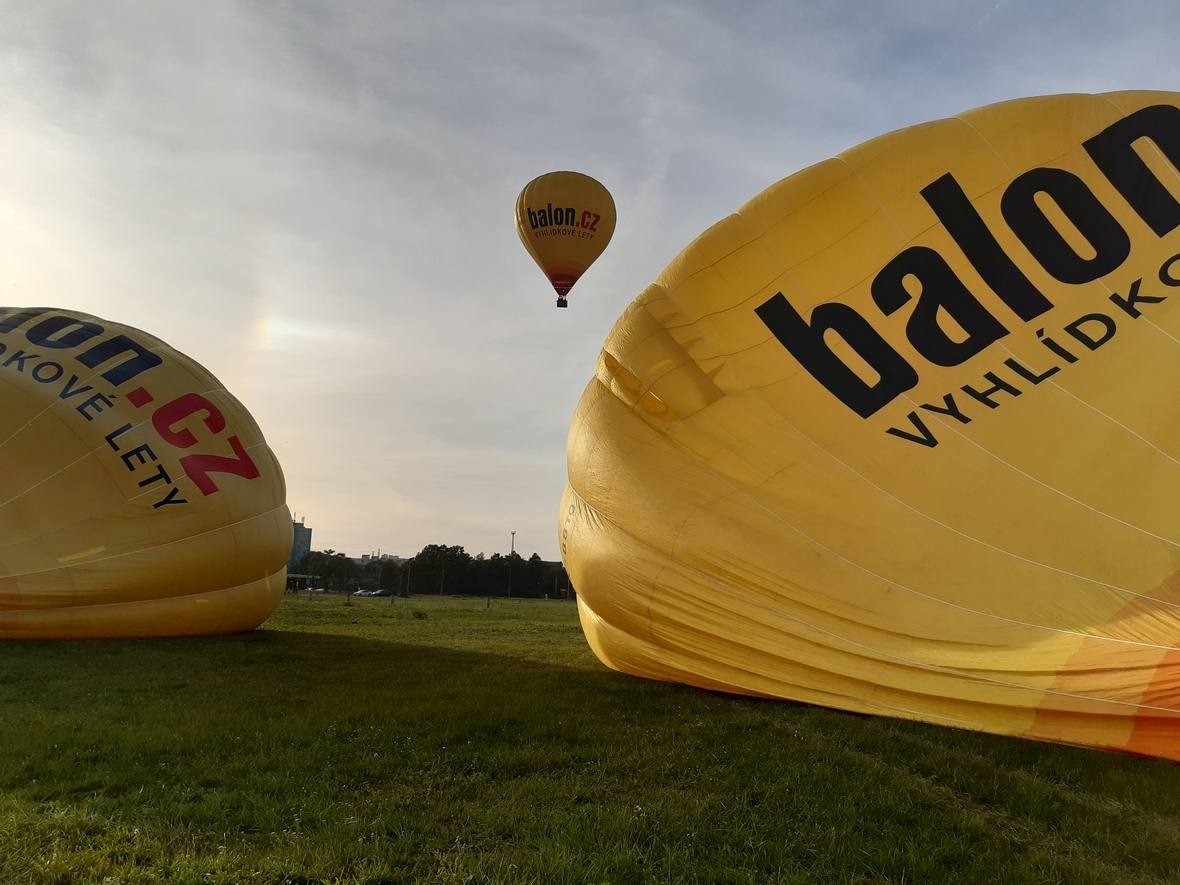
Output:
[[300, 544]]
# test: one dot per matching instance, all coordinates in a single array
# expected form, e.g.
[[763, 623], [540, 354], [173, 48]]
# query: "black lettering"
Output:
[[1113, 151], [1055, 347], [142, 360], [806, 343], [1133, 297], [532, 218], [1028, 374], [55, 371], [923, 437], [170, 498], [95, 405], [1166, 276], [999, 385], [965, 225], [1102, 231], [949, 409], [141, 454], [115, 434], [20, 358], [161, 475], [10, 320], [43, 333], [70, 390], [941, 290], [1108, 330]]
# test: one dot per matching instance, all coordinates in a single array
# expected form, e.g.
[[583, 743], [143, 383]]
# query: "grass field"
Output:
[[438, 741]]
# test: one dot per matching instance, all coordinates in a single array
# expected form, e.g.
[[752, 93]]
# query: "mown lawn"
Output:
[[439, 741]]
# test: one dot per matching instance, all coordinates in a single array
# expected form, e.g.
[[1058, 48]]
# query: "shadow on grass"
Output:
[[319, 750], [303, 684], [297, 683]]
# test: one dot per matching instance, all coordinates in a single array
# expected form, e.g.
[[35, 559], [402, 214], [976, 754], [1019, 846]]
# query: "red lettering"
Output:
[[198, 467], [170, 414]]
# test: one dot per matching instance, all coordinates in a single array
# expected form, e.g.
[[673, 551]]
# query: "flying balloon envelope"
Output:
[[902, 435], [565, 220], [137, 496]]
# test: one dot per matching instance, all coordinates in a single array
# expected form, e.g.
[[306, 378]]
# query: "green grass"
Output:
[[437, 741]]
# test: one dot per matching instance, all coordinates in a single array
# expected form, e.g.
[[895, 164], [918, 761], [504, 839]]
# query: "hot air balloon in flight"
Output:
[[137, 496], [902, 435], [565, 220]]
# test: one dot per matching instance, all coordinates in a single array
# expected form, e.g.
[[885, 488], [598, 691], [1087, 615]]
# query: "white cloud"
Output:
[[315, 199]]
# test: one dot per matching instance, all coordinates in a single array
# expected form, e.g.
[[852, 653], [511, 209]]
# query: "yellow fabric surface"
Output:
[[137, 496], [902, 435], [565, 220]]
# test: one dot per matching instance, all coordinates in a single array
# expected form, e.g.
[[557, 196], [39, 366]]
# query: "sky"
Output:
[[315, 199]]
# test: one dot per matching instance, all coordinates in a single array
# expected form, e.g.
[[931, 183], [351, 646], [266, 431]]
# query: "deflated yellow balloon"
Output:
[[565, 220], [902, 436], [137, 496]]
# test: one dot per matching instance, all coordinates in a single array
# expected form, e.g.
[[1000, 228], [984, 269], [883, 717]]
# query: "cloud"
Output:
[[315, 199]]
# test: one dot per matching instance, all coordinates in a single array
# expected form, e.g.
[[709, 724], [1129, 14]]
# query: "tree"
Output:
[[535, 572], [440, 569], [335, 571]]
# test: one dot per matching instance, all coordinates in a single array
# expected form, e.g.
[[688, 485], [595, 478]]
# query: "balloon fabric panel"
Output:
[[900, 435], [565, 220], [137, 496]]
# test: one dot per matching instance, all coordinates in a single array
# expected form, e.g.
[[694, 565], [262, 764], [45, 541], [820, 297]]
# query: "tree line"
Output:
[[440, 570]]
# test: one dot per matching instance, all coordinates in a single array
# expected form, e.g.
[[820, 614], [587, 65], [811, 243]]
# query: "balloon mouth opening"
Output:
[[562, 283]]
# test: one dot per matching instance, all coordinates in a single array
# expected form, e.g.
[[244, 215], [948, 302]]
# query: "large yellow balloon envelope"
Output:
[[137, 497], [565, 221], [902, 436]]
